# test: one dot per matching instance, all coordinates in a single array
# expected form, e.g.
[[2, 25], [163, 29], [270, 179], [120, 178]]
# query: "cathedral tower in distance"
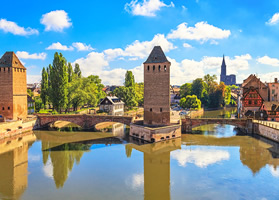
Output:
[[13, 88], [157, 88]]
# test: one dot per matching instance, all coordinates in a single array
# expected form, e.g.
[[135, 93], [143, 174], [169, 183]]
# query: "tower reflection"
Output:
[[156, 167], [14, 165]]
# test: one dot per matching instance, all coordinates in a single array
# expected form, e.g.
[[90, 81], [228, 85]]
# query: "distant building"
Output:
[[13, 88], [227, 79], [112, 105], [273, 89], [175, 94], [272, 110]]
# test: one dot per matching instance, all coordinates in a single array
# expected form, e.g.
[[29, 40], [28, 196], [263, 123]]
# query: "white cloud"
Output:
[[201, 32], [34, 78], [140, 49], [82, 46], [146, 8], [268, 61], [48, 169], [186, 45], [59, 46], [274, 19], [200, 157], [56, 21], [136, 181], [26, 55], [274, 171], [12, 27]]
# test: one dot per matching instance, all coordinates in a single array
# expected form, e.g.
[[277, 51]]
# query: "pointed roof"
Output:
[[223, 62], [9, 59], [156, 56]]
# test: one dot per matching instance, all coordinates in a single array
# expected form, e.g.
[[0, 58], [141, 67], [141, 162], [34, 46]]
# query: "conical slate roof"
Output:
[[9, 59], [156, 56], [223, 63]]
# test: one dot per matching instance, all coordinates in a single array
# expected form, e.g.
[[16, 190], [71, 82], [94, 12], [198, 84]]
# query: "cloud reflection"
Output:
[[200, 157], [274, 171], [48, 169], [136, 181]]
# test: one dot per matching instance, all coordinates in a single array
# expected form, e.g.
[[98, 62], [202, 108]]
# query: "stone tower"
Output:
[[157, 88], [223, 75], [13, 88]]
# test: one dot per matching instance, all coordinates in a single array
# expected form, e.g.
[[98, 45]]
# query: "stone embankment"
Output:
[[267, 129], [9, 129]]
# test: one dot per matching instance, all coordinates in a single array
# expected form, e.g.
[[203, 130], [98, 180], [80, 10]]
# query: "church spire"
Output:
[[223, 70]]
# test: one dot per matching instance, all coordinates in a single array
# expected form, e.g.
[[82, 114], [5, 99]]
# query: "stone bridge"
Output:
[[189, 123], [85, 121]]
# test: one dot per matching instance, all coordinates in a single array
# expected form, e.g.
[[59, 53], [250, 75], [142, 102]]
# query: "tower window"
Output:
[[150, 109], [161, 109], [8, 69], [153, 67], [0, 69], [165, 68], [9, 108], [4, 69], [148, 68], [3, 108], [159, 68]]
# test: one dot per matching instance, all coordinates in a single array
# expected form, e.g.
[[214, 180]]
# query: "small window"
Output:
[[165, 68], [159, 68], [15, 69], [3, 108], [161, 109], [4, 69], [0, 69], [8, 69], [150, 109], [9, 108], [153, 67], [250, 102], [148, 68]]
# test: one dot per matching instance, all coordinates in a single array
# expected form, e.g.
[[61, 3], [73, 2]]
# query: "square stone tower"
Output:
[[13, 88], [157, 88]]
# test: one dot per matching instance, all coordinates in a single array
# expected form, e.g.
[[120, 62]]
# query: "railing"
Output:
[[270, 124]]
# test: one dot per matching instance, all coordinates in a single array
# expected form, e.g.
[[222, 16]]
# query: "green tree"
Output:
[[129, 79], [227, 95], [190, 101], [38, 104], [77, 70], [198, 88], [127, 95], [70, 72], [140, 93], [44, 87], [186, 89], [59, 82], [30, 93]]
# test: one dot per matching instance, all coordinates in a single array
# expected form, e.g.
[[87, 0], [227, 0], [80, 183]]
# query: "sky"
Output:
[[107, 38]]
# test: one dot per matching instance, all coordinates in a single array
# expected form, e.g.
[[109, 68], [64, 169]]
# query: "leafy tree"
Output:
[[30, 93], [190, 101], [186, 89], [140, 93], [227, 95], [77, 70], [70, 72], [198, 88], [129, 79], [44, 87], [59, 82], [127, 95], [38, 104]]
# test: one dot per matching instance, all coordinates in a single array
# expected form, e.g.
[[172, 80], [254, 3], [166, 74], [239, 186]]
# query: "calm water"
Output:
[[216, 164]]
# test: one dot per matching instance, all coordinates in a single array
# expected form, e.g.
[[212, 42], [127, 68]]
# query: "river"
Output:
[[216, 163]]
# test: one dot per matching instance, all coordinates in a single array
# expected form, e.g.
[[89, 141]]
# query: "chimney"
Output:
[[276, 80]]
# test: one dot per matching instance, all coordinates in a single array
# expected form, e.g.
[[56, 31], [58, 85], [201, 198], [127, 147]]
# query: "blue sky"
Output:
[[109, 37]]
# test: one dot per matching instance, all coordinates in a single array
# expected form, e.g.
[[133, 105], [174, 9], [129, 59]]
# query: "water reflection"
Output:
[[156, 177], [14, 165]]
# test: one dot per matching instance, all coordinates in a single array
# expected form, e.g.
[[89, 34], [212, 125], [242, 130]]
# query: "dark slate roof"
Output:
[[156, 56], [9, 59]]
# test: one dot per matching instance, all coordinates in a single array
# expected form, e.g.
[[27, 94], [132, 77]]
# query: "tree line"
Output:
[[63, 87], [205, 91]]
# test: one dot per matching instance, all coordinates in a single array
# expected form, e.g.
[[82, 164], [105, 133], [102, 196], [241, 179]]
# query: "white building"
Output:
[[112, 105]]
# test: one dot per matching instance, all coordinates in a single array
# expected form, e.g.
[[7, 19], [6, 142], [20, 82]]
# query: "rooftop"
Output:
[[9, 59], [156, 56]]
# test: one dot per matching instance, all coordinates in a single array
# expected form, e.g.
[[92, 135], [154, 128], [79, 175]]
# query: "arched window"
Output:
[[159, 68], [165, 68], [153, 67], [148, 68]]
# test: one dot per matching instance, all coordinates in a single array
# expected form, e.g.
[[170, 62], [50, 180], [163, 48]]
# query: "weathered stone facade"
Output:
[[13, 89], [157, 88]]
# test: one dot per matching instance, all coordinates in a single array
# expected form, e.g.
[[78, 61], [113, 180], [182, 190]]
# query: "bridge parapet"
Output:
[[85, 121], [189, 123]]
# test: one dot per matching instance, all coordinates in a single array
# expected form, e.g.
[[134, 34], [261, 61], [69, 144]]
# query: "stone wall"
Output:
[[266, 131], [9, 129], [157, 93]]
